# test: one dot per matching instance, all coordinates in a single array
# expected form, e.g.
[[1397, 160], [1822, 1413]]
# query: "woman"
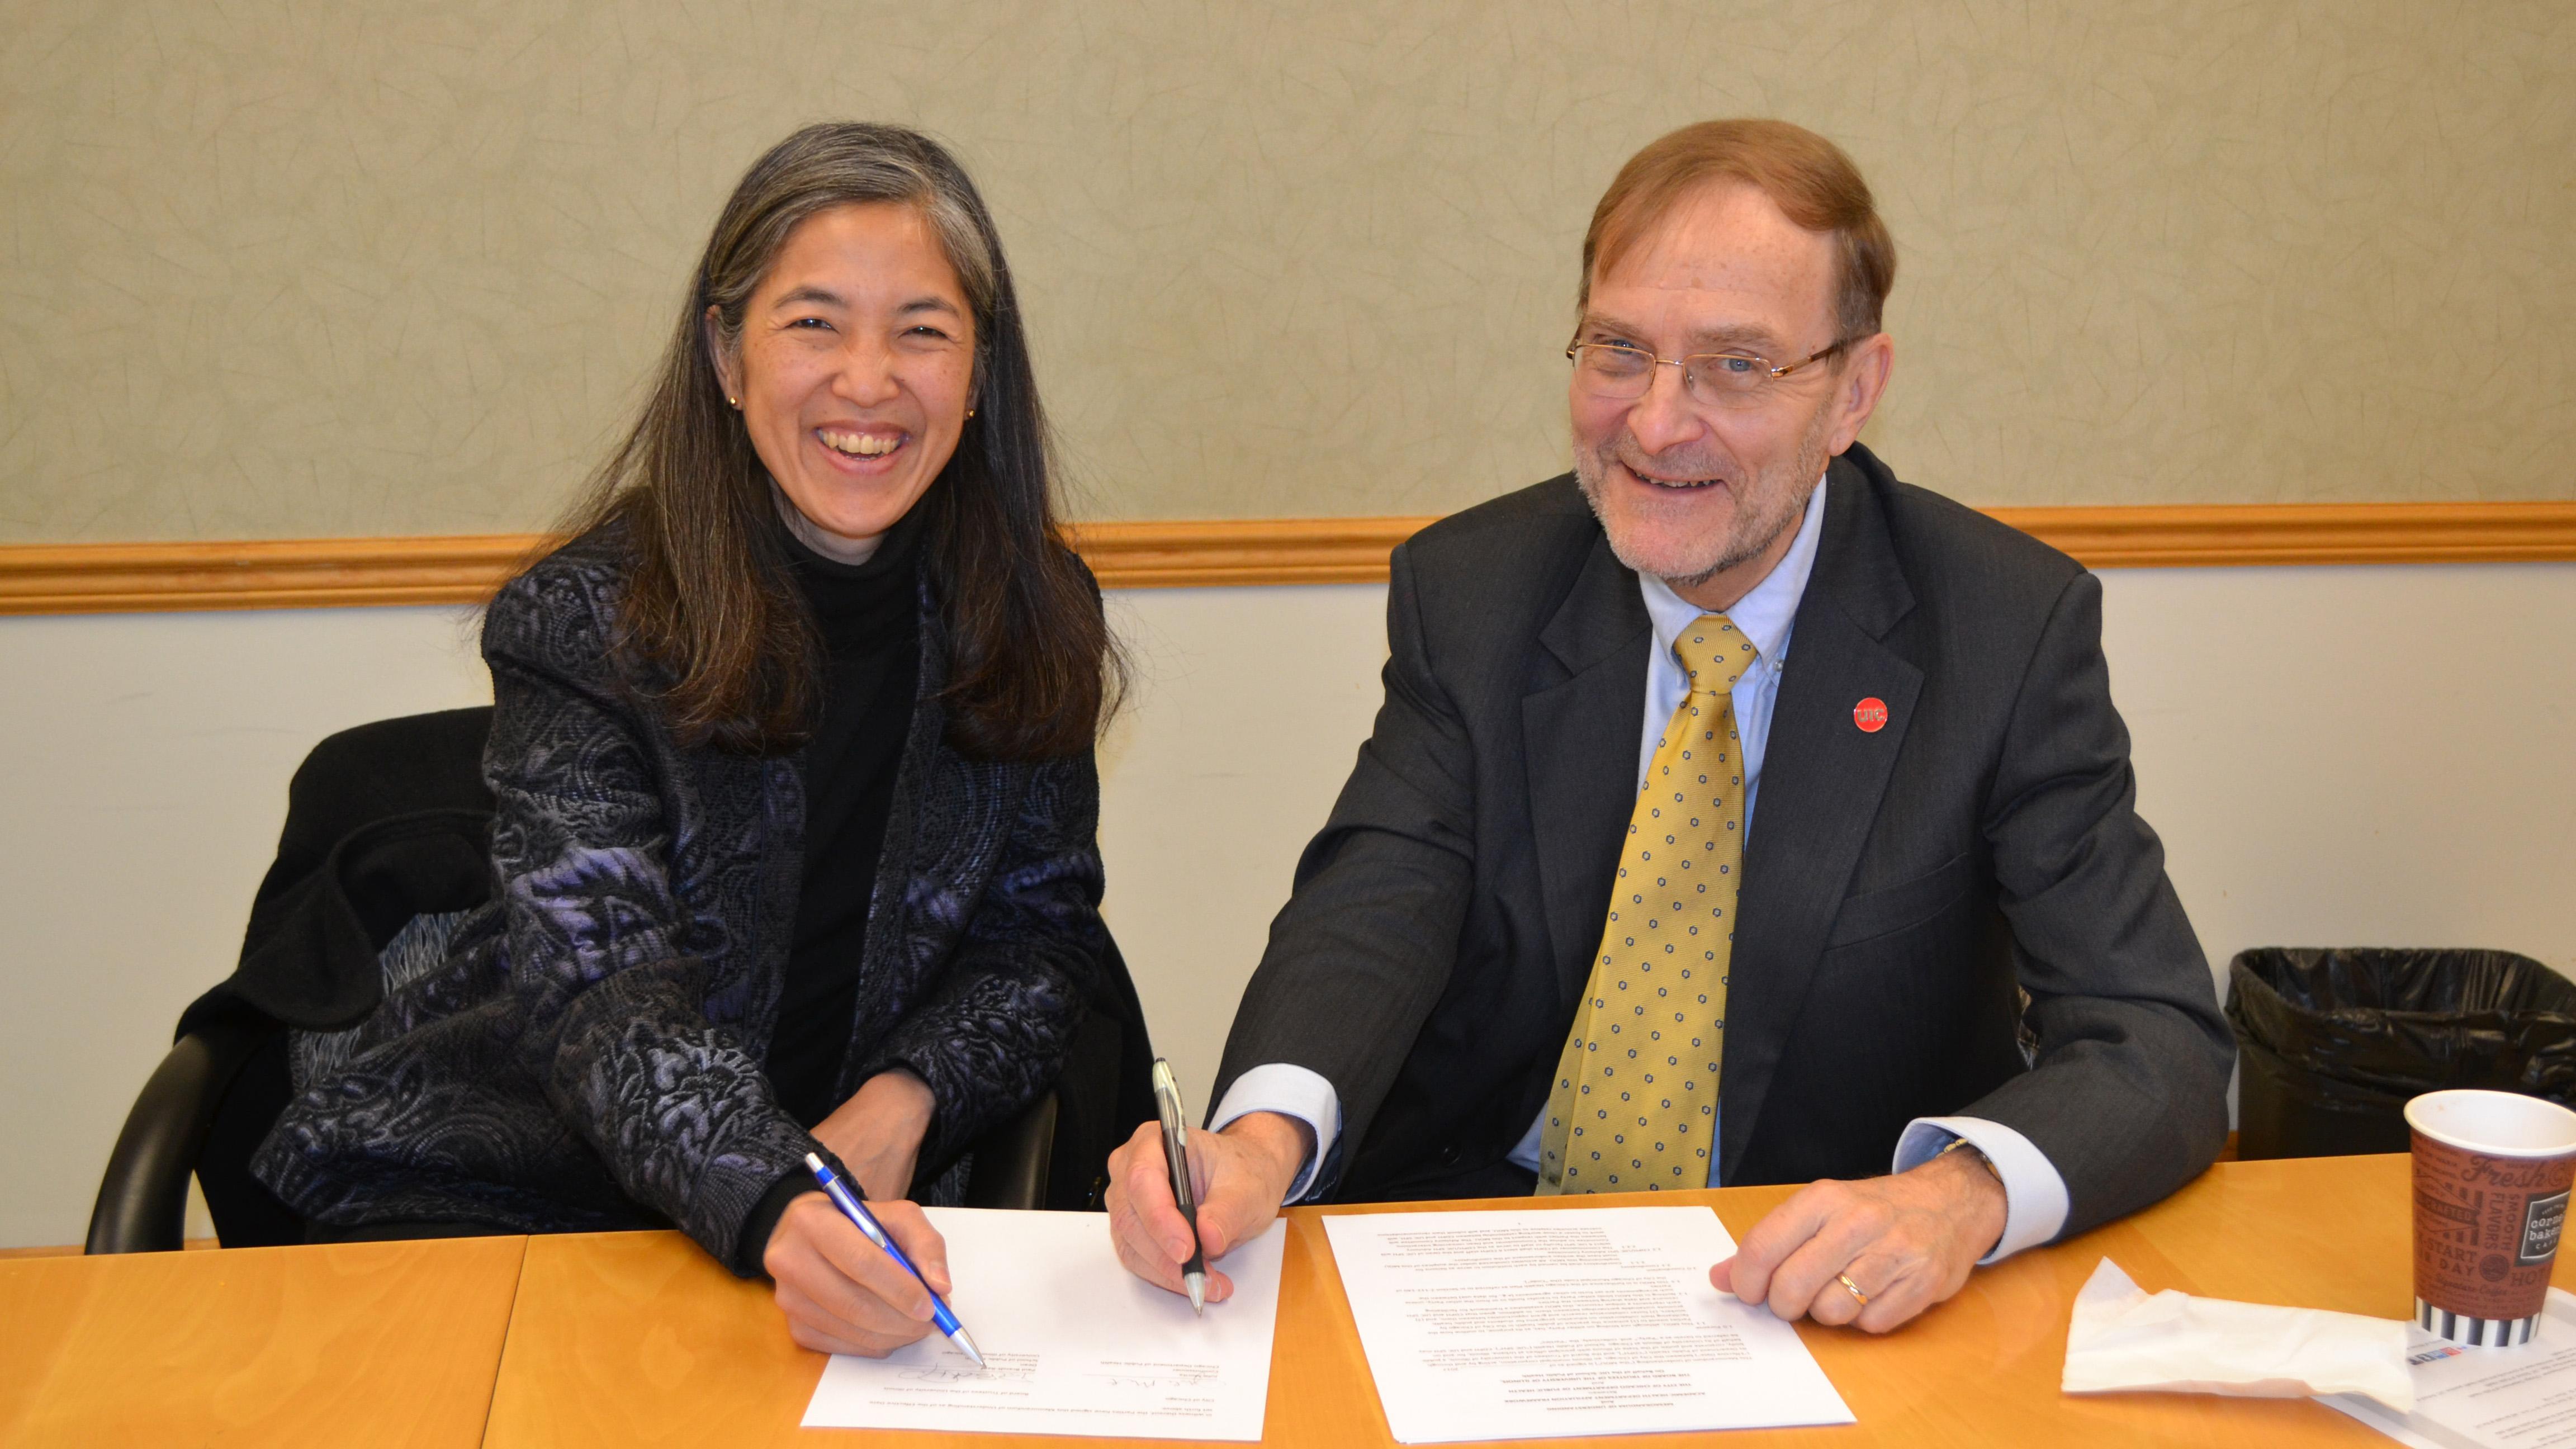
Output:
[[796, 802]]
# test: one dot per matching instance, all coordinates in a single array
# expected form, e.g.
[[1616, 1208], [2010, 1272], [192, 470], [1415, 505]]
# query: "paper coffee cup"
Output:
[[2492, 1173]]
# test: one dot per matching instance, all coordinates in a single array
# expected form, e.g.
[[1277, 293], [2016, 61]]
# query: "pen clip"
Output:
[[1176, 1136], [844, 1197]]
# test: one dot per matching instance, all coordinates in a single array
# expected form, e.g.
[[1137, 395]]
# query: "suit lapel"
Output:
[[1822, 779], [1580, 737]]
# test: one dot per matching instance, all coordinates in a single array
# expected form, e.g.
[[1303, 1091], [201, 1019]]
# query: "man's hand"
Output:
[[1238, 1176], [878, 1132], [844, 1294], [1908, 1241]]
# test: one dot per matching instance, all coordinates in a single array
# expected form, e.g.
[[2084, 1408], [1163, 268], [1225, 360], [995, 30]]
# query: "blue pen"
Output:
[[851, 1208]]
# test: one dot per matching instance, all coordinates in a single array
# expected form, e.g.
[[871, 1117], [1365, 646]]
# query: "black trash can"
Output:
[[2334, 1041]]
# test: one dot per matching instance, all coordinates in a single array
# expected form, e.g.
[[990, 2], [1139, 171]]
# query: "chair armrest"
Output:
[[1011, 1161], [143, 1197]]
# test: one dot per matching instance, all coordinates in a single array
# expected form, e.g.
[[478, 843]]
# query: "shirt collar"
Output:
[[1766, 612]]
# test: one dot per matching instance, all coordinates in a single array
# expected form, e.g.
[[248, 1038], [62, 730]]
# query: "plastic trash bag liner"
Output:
[[2333, 1041]]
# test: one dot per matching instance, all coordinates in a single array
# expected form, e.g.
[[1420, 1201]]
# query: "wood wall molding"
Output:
[[1196, 553], [302, 573], [105, 578], [2246, 535]]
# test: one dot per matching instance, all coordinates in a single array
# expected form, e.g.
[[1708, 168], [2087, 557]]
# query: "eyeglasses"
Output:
[[1623, 372]]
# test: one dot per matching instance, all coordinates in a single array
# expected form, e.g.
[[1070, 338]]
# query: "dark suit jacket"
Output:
[[589, 1053], [1898, 885]]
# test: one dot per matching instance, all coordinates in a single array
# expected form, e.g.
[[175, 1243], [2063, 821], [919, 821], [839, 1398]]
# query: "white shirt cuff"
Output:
[[2034, 1194], [1295, 1092]]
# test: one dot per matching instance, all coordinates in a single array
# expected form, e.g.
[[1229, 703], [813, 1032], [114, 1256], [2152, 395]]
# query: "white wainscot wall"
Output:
[[2369, 755]]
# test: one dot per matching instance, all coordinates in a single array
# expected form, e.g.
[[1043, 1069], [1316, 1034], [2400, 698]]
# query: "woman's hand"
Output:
[[878, 1132], [844, 1294]]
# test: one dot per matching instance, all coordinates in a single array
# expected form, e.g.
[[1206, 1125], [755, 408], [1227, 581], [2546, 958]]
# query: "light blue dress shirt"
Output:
[[2034, 1193]]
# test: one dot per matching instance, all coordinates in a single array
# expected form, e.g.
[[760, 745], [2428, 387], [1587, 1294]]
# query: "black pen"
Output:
[[1176, 1156]]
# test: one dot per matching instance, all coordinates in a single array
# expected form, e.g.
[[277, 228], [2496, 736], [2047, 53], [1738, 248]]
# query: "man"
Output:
[[1731, 670]]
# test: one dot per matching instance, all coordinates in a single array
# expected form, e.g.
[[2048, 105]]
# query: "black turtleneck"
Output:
[[869, 616]]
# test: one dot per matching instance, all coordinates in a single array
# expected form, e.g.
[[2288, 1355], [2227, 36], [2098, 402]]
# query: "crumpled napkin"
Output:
[[2122, 1337]]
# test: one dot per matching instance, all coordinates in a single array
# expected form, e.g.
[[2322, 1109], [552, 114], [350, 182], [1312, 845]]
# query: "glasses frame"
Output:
[[1771, 374]]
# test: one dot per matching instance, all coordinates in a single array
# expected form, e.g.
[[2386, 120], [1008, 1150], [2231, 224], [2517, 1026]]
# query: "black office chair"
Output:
[[389, 821]]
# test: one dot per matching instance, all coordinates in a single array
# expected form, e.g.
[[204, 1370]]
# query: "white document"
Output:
[[1532, 1324], [1072, 1342], [2485, 1398]]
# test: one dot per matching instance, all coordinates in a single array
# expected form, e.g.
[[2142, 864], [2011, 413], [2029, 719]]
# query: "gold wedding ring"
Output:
[[1852, 1288]]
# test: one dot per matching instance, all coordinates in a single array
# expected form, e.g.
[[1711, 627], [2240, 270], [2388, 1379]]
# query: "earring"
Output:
[[733, 402], [970, 412]]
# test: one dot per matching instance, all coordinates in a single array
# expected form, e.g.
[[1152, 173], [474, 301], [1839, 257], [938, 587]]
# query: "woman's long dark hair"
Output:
[[712, 623]]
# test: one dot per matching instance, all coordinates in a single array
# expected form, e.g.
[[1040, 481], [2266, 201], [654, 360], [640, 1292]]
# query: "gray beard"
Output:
[[1763, 512]]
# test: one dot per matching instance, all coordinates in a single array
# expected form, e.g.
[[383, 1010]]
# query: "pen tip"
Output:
[[966, 1346], [1198, 1294]]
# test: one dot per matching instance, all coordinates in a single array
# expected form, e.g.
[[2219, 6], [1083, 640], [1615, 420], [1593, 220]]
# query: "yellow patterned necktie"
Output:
[[1635, 1099]]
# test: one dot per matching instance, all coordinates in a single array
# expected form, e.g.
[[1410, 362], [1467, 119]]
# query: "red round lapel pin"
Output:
[[1870, 714]]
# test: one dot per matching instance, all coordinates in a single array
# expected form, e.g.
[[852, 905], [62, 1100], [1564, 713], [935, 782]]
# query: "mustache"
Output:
[[1680, 463]]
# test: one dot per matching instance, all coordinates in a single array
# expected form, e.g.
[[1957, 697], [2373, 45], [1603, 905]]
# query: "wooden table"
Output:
[[625, 1339], [638, 1338], [358, 1344]]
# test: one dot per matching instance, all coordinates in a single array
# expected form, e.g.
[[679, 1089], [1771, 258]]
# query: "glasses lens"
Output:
[[1732, 375], [1612, 370]]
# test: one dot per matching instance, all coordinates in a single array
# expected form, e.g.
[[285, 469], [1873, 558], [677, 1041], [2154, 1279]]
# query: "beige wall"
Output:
[[372, 268], [2334, 756]]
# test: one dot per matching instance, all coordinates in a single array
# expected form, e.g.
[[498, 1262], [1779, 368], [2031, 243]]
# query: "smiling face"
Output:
[[853, 371], [1706, 496]]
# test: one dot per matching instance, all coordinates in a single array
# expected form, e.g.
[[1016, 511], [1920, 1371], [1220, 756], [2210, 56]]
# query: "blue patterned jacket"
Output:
[[587, 1052]]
